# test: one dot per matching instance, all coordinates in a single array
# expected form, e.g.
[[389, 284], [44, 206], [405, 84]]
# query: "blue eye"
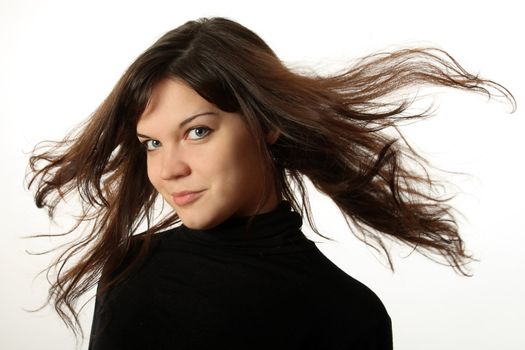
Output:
[[198, 132], [151, 144]]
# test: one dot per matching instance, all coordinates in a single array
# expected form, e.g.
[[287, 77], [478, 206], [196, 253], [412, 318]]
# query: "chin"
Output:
[[195, 223]]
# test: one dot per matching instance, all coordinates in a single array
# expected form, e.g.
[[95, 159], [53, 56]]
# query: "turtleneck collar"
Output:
[[276, 230]]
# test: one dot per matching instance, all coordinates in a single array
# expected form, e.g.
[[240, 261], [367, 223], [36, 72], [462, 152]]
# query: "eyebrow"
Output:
[[184, 122]]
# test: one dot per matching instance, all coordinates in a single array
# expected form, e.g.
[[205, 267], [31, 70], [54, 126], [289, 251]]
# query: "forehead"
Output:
[[176, 99]]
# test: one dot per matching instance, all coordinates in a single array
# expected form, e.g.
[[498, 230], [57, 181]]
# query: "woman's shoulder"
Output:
[[134, 253], [349, 309], [351, 295]]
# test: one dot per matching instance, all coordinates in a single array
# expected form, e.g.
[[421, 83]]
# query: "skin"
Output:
[[214, 153]]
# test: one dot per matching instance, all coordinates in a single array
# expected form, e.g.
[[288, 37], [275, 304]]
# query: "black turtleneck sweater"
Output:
[[266, 287]]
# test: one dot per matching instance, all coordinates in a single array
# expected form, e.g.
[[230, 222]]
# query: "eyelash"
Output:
[[207, 132]]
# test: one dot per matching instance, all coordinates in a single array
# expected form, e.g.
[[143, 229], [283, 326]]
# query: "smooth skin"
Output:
[[211, 151]]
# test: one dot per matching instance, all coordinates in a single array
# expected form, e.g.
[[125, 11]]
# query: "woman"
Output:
[[210, 119]]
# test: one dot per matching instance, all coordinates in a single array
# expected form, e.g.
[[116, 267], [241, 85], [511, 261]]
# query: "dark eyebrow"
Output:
[[182, 123]]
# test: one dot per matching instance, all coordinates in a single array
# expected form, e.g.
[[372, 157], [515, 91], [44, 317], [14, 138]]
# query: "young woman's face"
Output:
[[194, 146]]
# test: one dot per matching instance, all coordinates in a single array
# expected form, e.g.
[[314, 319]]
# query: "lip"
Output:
[[185, 197]]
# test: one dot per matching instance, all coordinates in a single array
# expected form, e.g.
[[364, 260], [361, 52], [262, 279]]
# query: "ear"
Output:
[[272, 136]]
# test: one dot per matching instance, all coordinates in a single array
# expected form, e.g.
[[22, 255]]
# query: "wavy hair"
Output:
[[333, 131]]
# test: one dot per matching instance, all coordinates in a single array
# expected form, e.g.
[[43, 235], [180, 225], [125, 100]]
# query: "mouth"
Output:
[[186, 197]]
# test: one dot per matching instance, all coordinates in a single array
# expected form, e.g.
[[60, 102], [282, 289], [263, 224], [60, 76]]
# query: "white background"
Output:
[[59, 59]]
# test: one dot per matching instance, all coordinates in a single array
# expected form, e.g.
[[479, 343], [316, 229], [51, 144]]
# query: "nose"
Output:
[[173, 164]]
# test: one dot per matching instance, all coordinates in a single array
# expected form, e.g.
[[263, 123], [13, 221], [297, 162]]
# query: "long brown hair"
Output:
[[333, 130]]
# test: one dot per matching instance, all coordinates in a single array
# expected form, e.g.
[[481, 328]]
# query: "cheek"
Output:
[[153, 174], [220, 167], [240, 167]]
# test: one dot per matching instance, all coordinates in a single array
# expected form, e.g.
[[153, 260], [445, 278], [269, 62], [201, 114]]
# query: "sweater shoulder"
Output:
[[137, 252], [347, 294]]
